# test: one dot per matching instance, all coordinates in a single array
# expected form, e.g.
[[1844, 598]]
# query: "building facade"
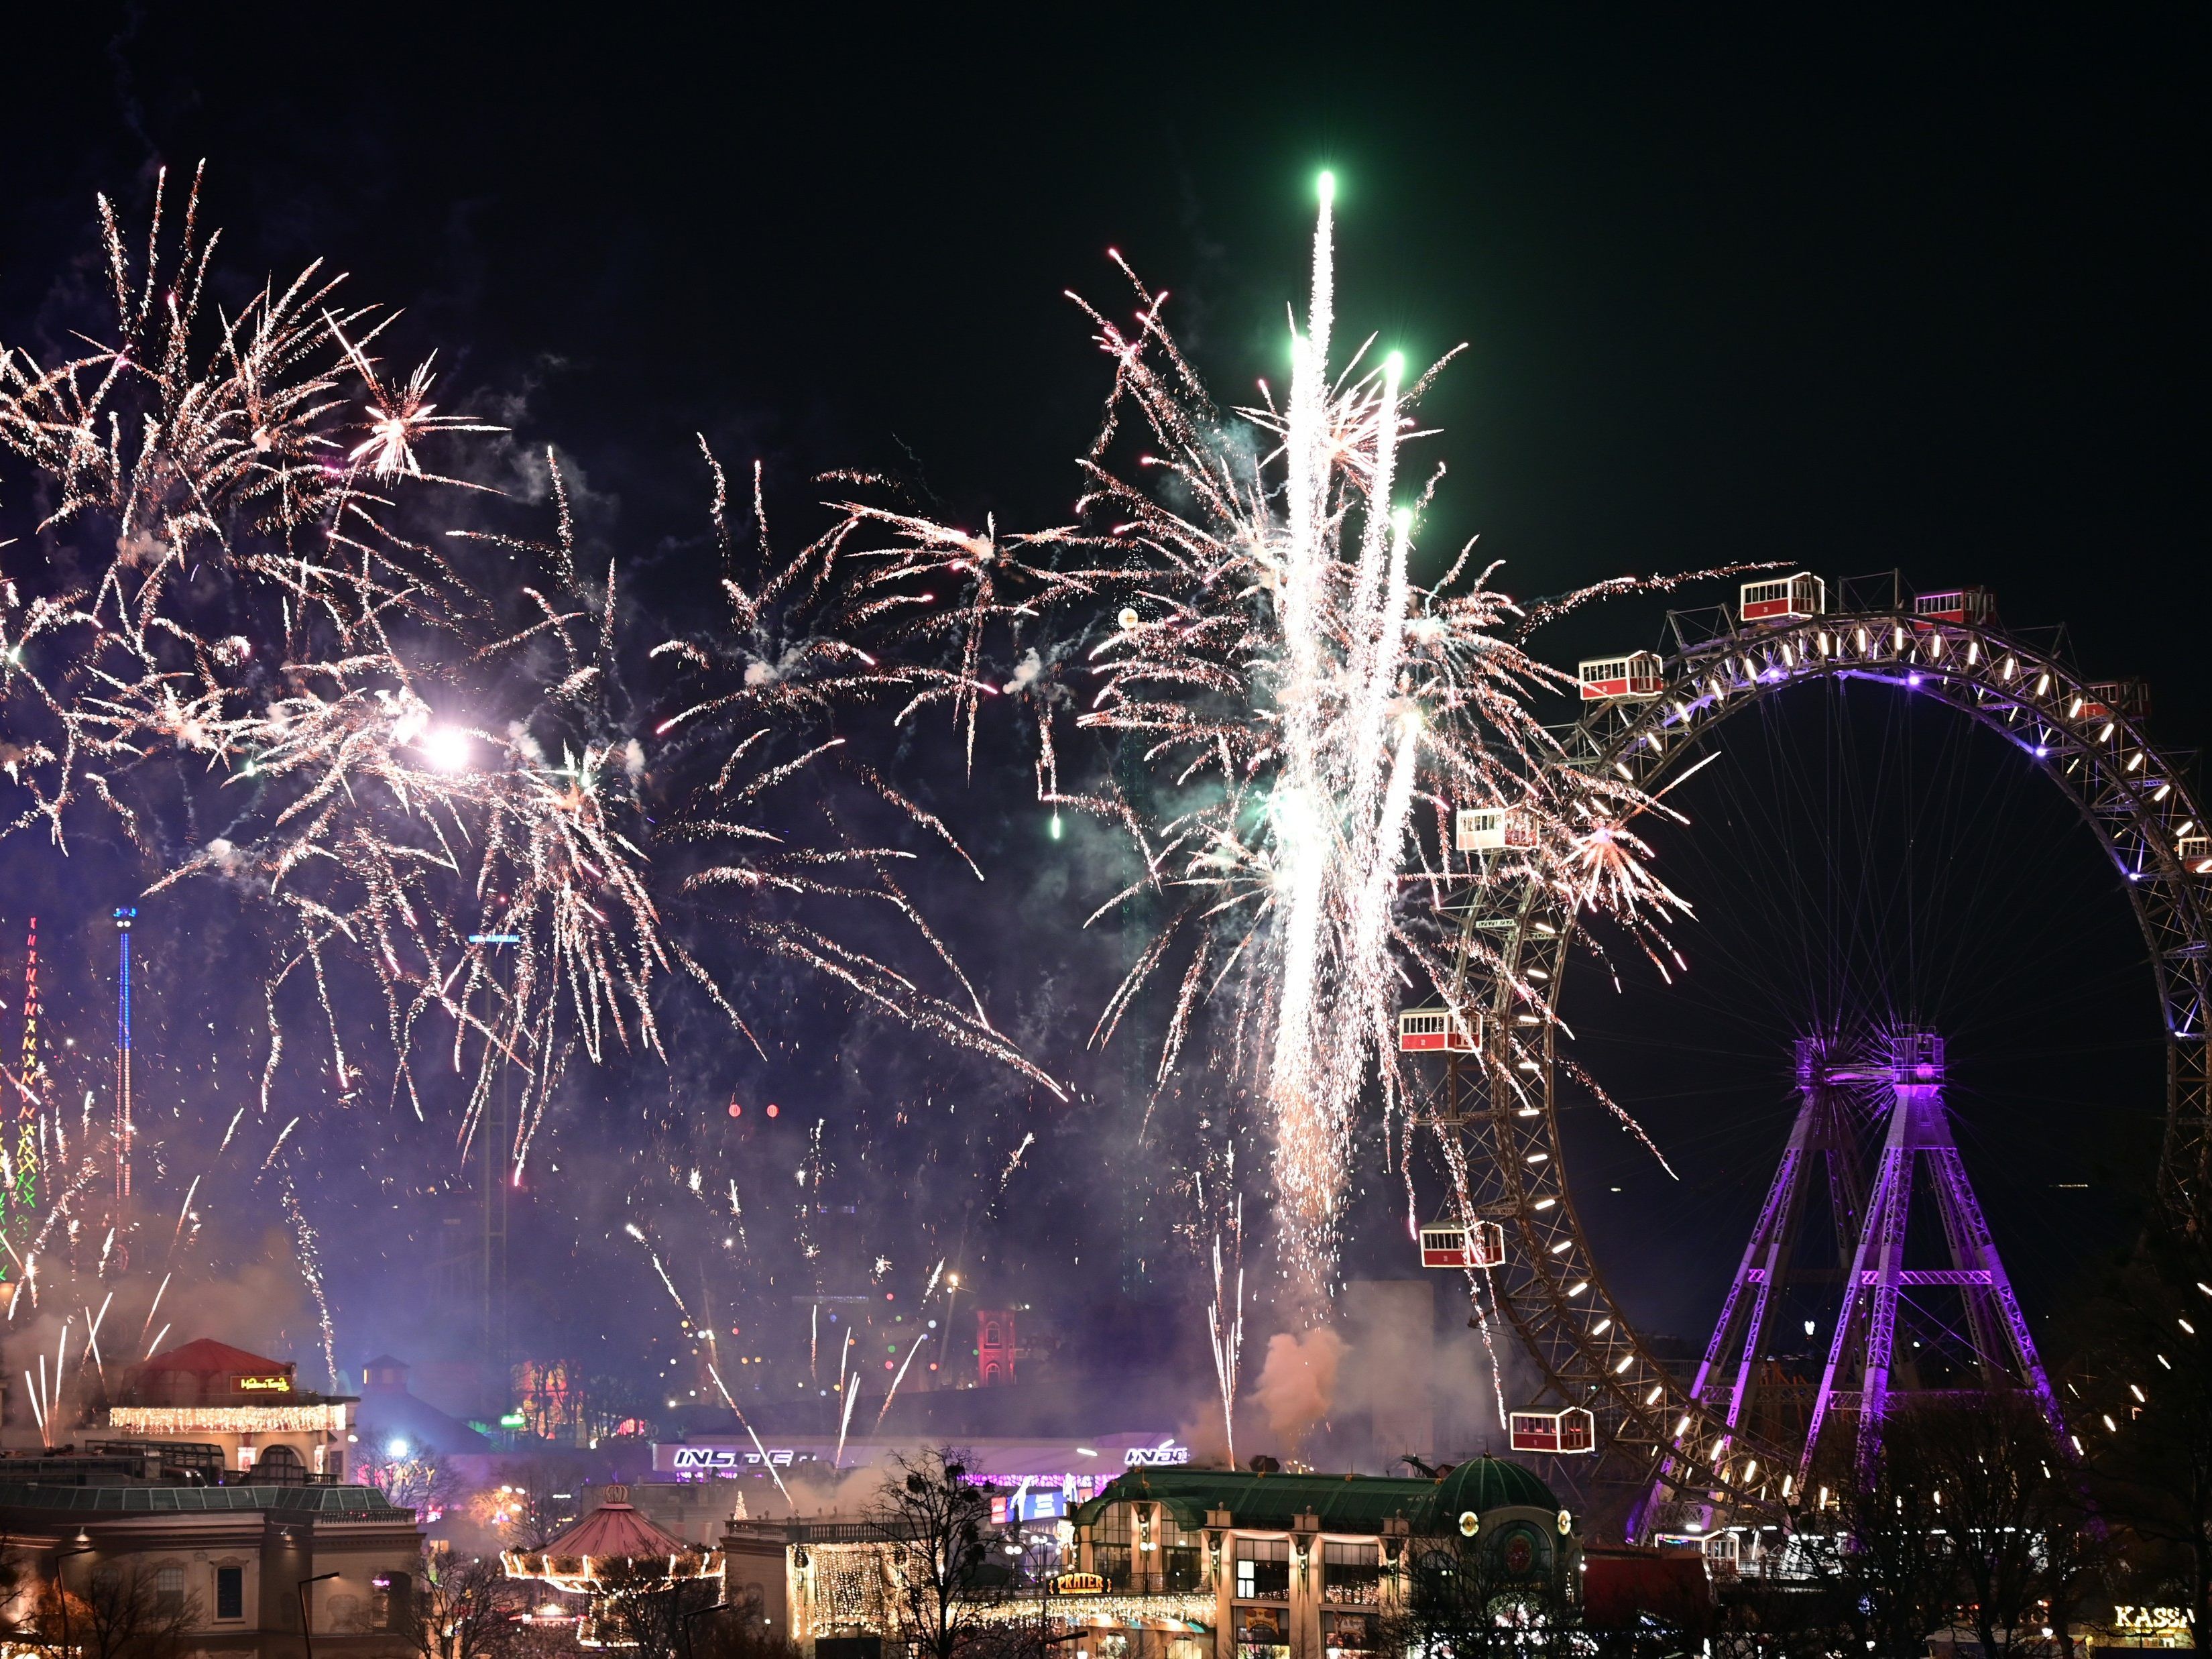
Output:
[[251, 1409], [244, 1571], [1181, 1563]]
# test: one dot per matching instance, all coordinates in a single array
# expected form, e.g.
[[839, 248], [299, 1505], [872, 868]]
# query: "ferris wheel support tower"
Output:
[[1866, 1333]]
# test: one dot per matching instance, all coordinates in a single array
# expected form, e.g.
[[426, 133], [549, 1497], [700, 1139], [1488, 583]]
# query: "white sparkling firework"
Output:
[[417, 743], [1307, 714]]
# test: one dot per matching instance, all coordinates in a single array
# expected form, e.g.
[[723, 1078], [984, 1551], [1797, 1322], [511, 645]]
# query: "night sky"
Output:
[[1892, 293]]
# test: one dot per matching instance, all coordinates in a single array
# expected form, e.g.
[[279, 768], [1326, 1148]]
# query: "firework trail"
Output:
[[1015, 1161], [310, 1271], [1227, 1330], [1308, 716], [766, 1462], [921, 1336], [247, 627]]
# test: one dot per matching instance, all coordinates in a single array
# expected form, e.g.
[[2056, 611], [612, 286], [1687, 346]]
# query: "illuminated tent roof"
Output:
[[613, 1548], [617, 1531]]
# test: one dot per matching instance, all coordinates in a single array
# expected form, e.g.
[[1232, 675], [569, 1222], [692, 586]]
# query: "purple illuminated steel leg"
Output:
[[1866, 1332], [1822, 1131]]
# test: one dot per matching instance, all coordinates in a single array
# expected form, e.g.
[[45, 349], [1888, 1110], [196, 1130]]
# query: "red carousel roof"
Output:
[[615, 1530]]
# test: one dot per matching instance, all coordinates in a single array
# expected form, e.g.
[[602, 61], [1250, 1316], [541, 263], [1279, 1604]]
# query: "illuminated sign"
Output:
[[1153, 1457], [265, 1384], [514, 1420], [1078, 1584], [1033, 1504], [723, 1457], [2168, 1620]]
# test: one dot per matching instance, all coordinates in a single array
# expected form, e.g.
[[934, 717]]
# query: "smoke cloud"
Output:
[[1297, 1380]]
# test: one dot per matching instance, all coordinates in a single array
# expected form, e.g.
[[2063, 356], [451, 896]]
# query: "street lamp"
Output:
[[61, 1590], [684, 1620], [306, 1617]]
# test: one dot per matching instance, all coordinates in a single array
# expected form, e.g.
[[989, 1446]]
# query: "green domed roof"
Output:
[[1483, 1484]]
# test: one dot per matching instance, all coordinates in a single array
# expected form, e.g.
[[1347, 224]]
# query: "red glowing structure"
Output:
[[1448, 1245], [1785, 598], [1564, 1433], [1958, 605], [1427, 1030], [995, 1348], [1603, 679]]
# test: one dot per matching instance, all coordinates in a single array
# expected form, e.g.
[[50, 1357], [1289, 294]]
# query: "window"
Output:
[[1521, 1550], [1180, 1554], [1263, 1569], [169, 1591], [1110, 1547], [279, 1466], [398, 1599], [230, 1592], [1345, 1633], [1260, 1633], [1352, 1574], [990, 1336]]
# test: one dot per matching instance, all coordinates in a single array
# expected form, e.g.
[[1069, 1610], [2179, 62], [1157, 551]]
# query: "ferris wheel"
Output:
[[1494, 1102]]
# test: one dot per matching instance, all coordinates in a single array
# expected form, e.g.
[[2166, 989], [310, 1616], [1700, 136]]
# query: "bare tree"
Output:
[[740, 1630], [122, 1613], [456, 1608], [1883, 1545], [640, 1611], [1473, 1597], [947, 1583], [411, 1478], [2145, 1412], [530, 1501], [2023, 1543]]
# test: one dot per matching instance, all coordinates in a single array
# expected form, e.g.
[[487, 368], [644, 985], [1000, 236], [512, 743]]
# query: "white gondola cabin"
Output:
[[1606, 679], [1448, 1245], [1426, 1030], [2195, 853], [1956, 605], [1566, 1432], [1491, 830], [1785, 598]]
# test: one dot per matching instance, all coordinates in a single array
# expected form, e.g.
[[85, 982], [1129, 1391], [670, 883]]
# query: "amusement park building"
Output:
[[209, 1396], [1204, 1563], [239, 1564]]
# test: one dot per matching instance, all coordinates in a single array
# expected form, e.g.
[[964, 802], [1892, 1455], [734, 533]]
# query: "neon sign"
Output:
[[1153, 1457], [263, 1384]]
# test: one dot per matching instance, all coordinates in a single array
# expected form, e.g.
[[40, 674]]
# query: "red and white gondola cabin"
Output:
[[1959, 604], [2103, 699], [1491, 828], [1566, 1432], [2195, 853], [1606, 678], [1448, 1245], [1425, 1030], [1785, 598]]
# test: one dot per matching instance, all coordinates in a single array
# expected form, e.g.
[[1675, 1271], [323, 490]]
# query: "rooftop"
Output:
[[1342, 1503], [206, 1357], [617, 1531], [337, 1502]]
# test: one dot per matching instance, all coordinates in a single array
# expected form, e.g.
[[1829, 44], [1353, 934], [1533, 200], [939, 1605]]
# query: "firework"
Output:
[[1307, 717], [416, 739]]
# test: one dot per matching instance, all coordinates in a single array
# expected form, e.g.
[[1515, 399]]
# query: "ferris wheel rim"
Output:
[[1559, 1302]]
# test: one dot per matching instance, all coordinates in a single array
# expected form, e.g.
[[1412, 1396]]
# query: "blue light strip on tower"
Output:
[[123, 920]]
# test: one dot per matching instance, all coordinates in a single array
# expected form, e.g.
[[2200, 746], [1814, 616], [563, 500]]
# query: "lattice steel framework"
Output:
[[1865, 1348], [1496, 1113]]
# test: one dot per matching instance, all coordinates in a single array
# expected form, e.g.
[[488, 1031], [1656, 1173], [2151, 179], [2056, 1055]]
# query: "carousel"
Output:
[[620, 1562]]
